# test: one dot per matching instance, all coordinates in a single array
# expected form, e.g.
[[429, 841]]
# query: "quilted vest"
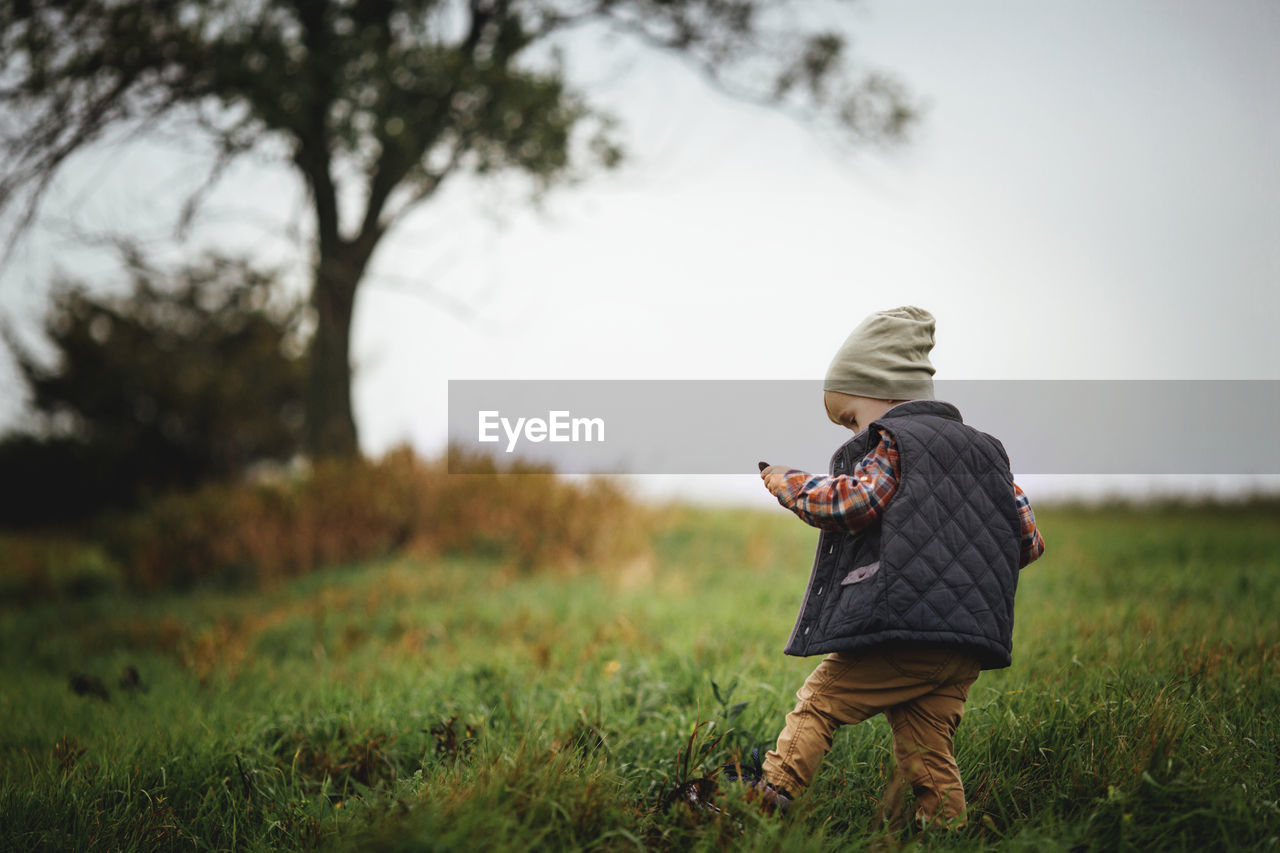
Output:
[[941, 564]]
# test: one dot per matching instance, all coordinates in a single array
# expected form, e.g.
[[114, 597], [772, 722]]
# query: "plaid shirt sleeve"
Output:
[[851, 502], [1032, 541], [847, 502]]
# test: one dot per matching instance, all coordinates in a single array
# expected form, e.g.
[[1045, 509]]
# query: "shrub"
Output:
[[189, 376], [269, 529], [36, 567]]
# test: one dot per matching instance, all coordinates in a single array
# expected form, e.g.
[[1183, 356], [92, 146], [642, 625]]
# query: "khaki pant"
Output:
[[920, 688]]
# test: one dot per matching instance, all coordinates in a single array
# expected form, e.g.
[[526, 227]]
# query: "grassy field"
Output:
[[464, 704]]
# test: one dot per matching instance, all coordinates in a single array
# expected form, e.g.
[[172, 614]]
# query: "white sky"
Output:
[[1093, 193]]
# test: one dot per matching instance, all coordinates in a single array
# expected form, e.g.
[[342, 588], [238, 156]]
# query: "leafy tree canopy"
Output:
[[383, 100]]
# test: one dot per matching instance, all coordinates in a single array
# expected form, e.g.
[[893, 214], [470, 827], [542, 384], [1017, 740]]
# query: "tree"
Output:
[[188, 377], [383, 100]]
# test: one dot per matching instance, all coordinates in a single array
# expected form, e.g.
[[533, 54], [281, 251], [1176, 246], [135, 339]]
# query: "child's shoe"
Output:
[[771, 799]]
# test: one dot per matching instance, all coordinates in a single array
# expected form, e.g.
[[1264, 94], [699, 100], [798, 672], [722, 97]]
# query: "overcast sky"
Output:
[[1093, 192]]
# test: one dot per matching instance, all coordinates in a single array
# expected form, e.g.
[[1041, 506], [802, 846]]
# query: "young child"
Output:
[[911, 595]]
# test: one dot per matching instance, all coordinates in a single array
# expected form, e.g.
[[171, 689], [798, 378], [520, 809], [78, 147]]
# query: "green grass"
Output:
[[464, 704]]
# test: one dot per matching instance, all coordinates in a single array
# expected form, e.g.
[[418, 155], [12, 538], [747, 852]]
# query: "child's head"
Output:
[[853, 411], [883, 362]]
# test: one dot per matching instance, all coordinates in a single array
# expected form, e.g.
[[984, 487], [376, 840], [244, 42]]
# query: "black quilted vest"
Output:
[[941, 565]]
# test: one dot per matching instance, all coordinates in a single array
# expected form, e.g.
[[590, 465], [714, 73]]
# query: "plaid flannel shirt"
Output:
[[850, 502]]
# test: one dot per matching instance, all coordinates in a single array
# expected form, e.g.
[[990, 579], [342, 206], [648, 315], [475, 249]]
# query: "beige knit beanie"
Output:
[[886, 357]]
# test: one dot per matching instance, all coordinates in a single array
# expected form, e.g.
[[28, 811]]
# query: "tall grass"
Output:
[[449, 702]]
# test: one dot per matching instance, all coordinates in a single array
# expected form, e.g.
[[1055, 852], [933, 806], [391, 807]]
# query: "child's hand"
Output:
[[775, 478]]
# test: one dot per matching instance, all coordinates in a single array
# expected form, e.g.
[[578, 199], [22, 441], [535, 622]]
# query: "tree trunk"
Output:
[[331, 426]]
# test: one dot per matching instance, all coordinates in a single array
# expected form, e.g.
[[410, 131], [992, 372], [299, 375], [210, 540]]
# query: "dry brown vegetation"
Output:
[[336, 512]]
